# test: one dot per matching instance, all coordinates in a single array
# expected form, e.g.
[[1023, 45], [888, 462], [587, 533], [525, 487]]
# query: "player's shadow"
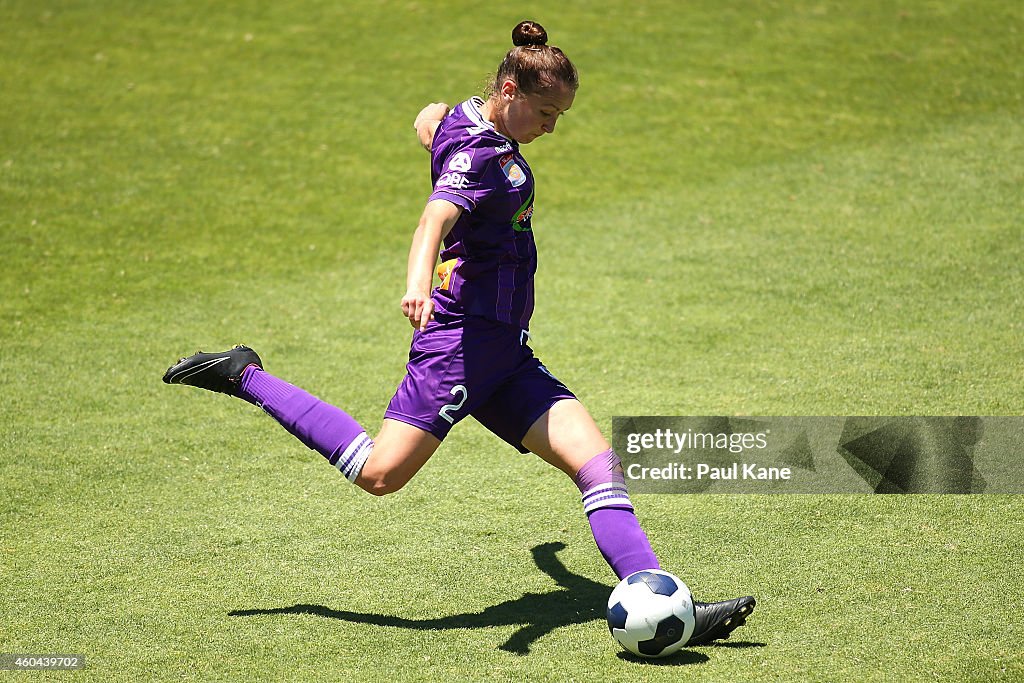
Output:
[[579, 601]]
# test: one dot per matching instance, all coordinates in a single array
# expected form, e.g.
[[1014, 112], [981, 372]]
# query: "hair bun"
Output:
[[529, 33]]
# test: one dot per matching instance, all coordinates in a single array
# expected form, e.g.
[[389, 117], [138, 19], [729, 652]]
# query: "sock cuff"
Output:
[[603, 468], [350, 462], [602, 483]]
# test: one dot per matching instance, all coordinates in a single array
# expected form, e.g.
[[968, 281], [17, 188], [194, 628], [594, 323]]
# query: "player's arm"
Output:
[[437, 220], [428, 120]]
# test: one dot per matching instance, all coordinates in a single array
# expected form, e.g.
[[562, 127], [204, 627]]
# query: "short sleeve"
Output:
[[464, 175]]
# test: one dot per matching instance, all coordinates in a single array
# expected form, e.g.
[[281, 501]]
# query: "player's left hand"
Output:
[[428, 120], [435, 111]]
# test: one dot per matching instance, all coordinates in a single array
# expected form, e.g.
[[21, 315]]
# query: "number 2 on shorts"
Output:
[[445, 412]]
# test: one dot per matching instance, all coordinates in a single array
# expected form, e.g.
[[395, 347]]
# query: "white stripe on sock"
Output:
[[606, 495], [352, 460], [344, 458]]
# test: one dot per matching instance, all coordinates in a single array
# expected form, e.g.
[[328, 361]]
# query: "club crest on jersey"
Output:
[[512, 170]]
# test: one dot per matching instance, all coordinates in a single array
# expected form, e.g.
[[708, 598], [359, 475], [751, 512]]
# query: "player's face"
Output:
[[527, 117]]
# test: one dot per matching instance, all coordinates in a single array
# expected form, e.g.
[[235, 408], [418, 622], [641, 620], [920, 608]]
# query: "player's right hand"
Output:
[[418, 308]]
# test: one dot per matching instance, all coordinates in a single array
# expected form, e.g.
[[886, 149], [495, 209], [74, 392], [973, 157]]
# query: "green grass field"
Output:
[[753, 208]]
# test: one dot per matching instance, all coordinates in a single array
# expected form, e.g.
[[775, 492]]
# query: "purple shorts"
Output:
[[473, 366]]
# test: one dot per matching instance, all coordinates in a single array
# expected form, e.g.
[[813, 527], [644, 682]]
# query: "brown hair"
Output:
[[533, 64]]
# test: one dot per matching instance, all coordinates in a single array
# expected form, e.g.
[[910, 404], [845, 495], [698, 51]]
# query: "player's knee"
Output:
[[380, 482], [381, 487]]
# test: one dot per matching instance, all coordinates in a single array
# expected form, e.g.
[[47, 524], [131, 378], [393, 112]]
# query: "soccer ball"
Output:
[[651, 613]]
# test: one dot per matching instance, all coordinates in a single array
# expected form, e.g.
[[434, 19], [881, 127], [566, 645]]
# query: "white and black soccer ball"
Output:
[[651, 613]]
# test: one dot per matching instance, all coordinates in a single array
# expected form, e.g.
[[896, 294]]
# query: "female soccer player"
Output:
[[469, 352]]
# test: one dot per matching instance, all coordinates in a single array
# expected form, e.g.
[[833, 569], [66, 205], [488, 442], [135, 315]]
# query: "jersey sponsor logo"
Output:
[[444, 273], [526, 215], [460, 162], [521, 219], [512, 170], [454, 180], [522, 223], [502, 149]]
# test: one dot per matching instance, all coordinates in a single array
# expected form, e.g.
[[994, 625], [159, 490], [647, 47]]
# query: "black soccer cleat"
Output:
[[220, 372], [716, 620]]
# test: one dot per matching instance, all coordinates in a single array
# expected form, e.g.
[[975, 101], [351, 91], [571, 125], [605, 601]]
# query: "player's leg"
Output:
[[567, 437], [379, 467], [533, 411], [399, 451], [562, 437]]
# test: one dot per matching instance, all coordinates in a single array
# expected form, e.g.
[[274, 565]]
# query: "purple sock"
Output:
[[622, 542], [324, 428], [617, 532]]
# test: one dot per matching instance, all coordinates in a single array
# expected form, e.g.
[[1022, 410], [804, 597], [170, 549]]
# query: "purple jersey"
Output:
[[489, 258]]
